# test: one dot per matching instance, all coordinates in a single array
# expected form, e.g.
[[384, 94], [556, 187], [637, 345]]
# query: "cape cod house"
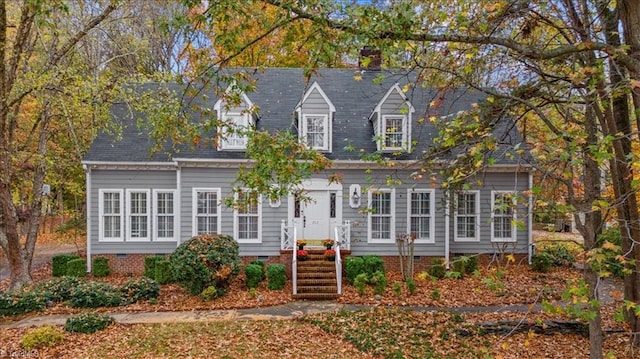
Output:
[[142, 203]]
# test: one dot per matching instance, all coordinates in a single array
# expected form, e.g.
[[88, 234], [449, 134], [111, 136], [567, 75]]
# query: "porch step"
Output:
[[316, 278]]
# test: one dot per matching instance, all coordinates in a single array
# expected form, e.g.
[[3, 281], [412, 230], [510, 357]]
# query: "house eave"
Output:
[[132, 166]]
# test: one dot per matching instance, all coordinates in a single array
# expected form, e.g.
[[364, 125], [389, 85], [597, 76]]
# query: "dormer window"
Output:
[[234, 131], [315, 131], [394, 132], [236, 120], [315, 112], [392, 121]]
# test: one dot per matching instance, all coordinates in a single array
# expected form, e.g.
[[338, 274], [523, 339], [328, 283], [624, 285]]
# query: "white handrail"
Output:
[[338, 264], [294, 265]]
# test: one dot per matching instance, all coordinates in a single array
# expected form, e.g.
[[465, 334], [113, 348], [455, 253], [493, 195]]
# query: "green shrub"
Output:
[[59, 264], [77, 268], [88, 322], [205, 260], [435, 294], [20, 303], [263, 267], [352, 267], [94, 295], [163, 274], [560, 254], [150, 266], [276, 276], [437, 269], [100, 267], [360, 282], [46, 336], [57, 289], [373, 264], [472, 264], [253, 272], [411, 285], [379, 281], [140, 289], [211, 292], [541, 262], [397, 289]]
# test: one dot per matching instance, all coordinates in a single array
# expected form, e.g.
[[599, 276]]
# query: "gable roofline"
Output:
[[217, 106], [395, 87], [307, 93]]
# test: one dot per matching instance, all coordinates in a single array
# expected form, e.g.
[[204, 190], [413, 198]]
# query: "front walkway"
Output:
[[280, 312]]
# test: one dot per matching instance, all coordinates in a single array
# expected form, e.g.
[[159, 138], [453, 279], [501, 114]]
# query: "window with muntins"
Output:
[[111, 215], [247, 217], [467, 216], [381, 216], [138, 214], [207, 214], [316, 131], [164, 215], [234, 136], [393, 132], [503, 216], [421, 214]]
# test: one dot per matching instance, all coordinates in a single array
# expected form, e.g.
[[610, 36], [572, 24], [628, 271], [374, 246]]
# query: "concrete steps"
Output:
[[316, 277]]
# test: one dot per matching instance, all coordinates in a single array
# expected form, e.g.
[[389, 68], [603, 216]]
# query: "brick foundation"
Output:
[[128, 264]]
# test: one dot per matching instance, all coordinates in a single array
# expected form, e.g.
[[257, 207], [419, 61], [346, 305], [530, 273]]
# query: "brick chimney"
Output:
[[375, 56]]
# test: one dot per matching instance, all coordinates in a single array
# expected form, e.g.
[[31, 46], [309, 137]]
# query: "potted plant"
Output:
[[330, 255], [328, 243], [301, 243], [302, 254]]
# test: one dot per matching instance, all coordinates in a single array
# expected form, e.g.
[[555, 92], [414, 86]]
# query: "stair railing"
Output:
[[338, 261], [294, 264]]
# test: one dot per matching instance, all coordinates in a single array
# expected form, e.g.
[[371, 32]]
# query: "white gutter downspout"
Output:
[[87, 171], [178, 204], [447, 218], [530, 219]]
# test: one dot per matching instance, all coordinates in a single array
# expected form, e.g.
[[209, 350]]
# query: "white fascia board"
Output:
[[129, 165]]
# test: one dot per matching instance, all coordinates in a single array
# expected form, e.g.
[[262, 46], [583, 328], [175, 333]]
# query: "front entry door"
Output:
[[313, 218]]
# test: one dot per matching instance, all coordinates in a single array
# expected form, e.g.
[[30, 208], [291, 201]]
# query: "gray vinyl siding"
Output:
[[223, 178], [315, 104], [123, 180], [394, 105]]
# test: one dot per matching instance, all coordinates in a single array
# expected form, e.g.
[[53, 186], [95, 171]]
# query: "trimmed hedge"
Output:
[[100, 267], [253, 273], [150, 266], [276, 276], [352, 267], [163, 273], [94, 295], [88, 322], [77, 268], [59, 264]]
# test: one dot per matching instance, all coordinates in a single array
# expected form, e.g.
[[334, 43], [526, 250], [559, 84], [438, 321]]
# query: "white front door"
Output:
[[313, 218]]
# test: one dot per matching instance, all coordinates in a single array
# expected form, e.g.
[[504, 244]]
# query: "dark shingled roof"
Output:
[[279, 90]]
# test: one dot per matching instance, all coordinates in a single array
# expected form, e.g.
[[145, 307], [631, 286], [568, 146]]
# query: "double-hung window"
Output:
[[467, 216], [315, 131], [382, 216], [138, 215], [421, 218], [206, 211], [503, 216], [247, 217], [111, 213], [165, 215], [394, 133], [234, 131]]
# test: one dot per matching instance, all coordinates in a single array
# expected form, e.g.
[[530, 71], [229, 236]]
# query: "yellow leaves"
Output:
[[357, 77], [634, 83], [610, 246], [504, 346], [511, 258]]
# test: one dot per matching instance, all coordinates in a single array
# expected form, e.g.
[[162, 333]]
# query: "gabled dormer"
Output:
[[392, 119], [315, 117], [236, 110]]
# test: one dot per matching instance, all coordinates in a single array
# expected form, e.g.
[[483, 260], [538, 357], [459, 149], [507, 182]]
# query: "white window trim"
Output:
[[101, 237], [514, 217], [155, 216], [383, 133], [326, 146], [477, 215], [432, 217], [392, 229], [128, 221], [223, 130], [194, 208], [236, 214]]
